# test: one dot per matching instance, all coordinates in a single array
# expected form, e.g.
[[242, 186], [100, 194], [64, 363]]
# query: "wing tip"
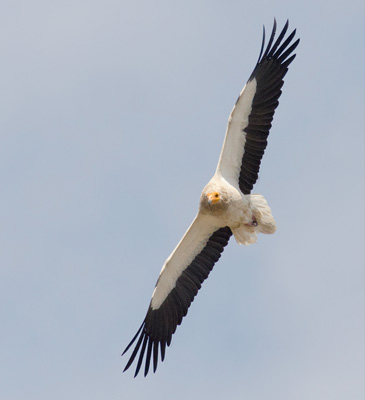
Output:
[[271, 47], [148, 346]]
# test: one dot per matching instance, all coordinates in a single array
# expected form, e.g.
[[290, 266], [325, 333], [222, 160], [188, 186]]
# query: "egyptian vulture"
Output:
[[226, 204]]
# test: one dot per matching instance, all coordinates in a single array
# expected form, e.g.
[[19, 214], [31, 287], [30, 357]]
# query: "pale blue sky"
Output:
[[112, 118]]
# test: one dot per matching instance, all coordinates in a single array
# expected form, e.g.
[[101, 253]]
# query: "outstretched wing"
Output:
[[251, 117], [179, 281]]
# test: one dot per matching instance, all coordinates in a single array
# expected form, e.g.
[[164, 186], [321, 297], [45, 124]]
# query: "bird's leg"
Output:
[[253, 222]]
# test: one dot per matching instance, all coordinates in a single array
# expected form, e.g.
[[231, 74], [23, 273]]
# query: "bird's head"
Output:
[[213, 198]]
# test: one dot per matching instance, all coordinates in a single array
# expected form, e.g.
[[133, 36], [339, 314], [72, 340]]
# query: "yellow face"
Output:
[[213, 198]]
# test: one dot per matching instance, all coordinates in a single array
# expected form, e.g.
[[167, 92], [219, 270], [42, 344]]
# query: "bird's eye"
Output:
[[216, 195]]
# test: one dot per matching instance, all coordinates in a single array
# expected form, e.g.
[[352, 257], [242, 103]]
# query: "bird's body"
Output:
[[245, 215], [226, 204]]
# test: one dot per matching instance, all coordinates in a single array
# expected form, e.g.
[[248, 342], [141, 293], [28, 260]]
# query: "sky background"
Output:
[[113, 114]]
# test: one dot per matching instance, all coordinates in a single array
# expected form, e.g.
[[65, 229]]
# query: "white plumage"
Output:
[[226, 204]]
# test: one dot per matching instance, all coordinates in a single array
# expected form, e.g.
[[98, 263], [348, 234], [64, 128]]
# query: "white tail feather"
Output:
[[262, 212], [247, 234]]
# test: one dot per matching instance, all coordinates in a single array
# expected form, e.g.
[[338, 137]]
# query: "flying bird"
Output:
[[226, 204]]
